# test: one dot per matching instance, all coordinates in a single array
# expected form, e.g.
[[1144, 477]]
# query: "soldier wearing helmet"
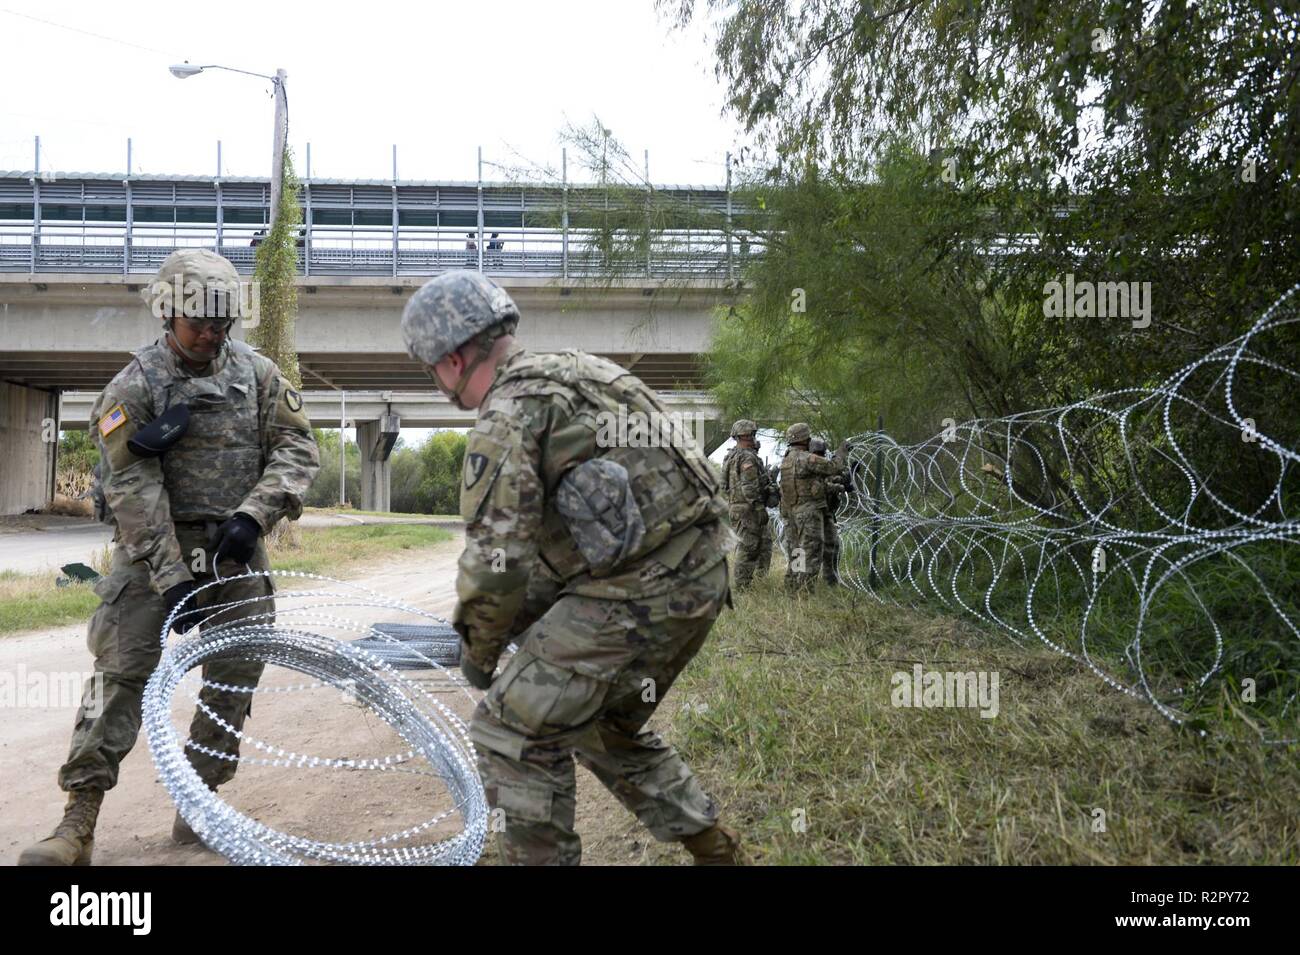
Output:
[[836, 491], [604, 562], [204, 446], [745, 482], [803, 504]]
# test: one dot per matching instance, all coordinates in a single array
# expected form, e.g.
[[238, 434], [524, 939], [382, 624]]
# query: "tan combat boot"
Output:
[[716, 845], [182, 834], [74, 837]]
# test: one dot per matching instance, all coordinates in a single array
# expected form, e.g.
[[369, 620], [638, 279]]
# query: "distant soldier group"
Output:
[[807, 487]]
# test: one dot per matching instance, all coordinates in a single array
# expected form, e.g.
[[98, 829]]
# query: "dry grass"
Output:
[[799, 722], [70, 506]]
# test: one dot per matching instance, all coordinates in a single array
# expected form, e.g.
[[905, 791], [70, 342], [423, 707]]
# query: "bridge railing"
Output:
[[360, 250], [109, 225]]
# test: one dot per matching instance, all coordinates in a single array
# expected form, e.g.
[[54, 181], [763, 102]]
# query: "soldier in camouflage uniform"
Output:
[[605, 563], [244, 460], [836, 489], [745, 482], [803, 504], [766, 546]]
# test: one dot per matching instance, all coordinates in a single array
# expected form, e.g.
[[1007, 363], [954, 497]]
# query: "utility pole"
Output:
[[281, 135]]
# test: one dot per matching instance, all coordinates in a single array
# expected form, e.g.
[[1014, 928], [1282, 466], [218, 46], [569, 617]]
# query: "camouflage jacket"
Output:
[[249, 448], [545, 416], [803, 479], [744, 478]]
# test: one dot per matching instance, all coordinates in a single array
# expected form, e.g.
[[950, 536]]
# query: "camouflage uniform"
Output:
[[836, 490], [803, 506], [605, 620], [773, 500], [746, 485], [248, 448]]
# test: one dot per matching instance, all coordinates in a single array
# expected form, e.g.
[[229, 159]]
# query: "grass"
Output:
[[349, 510], [29, 601], [33, 601], [328, 550], [798, 725]]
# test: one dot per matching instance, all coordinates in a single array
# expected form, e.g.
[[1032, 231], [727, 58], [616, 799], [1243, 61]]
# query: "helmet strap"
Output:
[[484, 350], [176, 343]]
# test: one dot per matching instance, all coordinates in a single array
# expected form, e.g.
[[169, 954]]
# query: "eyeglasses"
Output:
[[217, 326]]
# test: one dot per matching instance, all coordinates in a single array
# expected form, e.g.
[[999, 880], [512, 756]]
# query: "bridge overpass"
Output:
[[75, 252]]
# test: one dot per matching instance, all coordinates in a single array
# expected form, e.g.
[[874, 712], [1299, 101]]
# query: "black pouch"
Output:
[[161, 433]]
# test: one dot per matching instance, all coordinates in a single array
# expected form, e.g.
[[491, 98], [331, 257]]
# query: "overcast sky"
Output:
[[437, 78]]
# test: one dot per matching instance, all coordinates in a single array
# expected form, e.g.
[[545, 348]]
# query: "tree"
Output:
[[443, 456], [324, 490], [1118, 141]]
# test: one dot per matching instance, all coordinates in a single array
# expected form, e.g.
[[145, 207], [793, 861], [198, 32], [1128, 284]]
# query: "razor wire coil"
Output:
[[1108, 529], [437, 738]]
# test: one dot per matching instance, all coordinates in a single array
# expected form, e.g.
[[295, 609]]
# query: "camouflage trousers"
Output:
[[765, 550], [830, 549], [124, 638], [748, 523], [587, 677], [806, 539]]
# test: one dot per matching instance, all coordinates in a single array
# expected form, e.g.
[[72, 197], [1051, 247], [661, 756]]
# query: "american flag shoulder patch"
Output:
[[113, 419]]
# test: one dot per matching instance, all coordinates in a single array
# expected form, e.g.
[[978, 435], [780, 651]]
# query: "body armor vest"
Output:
[[212, 469], [799, 487], [673, 484]]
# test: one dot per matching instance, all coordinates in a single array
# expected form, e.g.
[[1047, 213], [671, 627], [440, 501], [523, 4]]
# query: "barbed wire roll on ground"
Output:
[[1146, 532], [296, 637]]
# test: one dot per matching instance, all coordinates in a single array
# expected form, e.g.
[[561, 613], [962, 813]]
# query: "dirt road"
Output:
[[135, 823]]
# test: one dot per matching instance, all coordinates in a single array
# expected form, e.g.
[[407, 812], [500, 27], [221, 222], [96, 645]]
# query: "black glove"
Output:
[[479, 679], [236, 539], [181, 595]]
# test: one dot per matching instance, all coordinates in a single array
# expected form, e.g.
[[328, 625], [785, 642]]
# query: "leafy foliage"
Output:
[[276, 274]]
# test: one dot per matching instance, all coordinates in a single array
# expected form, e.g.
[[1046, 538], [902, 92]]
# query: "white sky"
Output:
[[437, 78]]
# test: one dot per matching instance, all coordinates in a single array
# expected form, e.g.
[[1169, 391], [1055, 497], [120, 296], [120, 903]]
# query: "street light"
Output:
[[183, 71]]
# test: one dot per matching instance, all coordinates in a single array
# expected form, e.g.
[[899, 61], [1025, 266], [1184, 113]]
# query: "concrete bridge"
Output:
[[71, 312]]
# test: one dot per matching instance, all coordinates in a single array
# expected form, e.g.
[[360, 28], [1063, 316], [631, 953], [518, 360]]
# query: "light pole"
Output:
[[184, 71]]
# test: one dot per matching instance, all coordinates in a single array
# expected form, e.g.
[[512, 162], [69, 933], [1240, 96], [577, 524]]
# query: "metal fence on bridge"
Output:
[[103, 223]]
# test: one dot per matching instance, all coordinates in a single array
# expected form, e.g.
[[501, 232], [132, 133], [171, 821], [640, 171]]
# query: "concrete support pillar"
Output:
[[29, 437], [376, 440]]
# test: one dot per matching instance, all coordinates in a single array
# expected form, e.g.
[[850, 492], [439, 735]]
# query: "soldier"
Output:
[[605, 563], [745, 482], [203, 447], [803, 504], [773, 500], [836, 488]]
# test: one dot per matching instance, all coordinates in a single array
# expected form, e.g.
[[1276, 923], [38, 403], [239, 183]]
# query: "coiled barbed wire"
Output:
[[411, 646], [437, 737], [1145, 532]]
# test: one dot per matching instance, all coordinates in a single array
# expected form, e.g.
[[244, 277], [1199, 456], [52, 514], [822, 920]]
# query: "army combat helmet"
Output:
[[798, 433], [451, 310], [743, 427], [198, 284], [818, 446]]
